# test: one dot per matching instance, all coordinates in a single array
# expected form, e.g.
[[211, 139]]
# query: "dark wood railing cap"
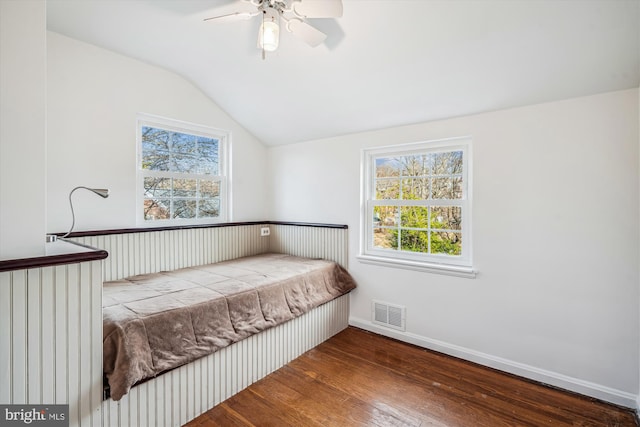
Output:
[[56, 253]]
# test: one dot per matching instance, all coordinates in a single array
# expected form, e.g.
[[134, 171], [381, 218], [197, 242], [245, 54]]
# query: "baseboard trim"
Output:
[[555, 379]]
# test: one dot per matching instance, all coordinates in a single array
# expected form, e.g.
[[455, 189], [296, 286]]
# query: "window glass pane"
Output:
[[387, 188], [415, 188], [456, 192], [415, 217], [155, 139], [388, 167], [414, 240], [156, 160], [157, 187], [184, 208], [184, 163], [155, 209], [208, 156], [416, 165], [208, 167], [456, 162], [155, 149], [446, 243], [442, 163], [446, 217], [209, 208], [442, 188], [209, 189], [183, 143], [184, 188], [385, 238], [386, 216]]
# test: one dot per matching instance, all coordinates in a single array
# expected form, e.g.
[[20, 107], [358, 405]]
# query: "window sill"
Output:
[[449, 270]]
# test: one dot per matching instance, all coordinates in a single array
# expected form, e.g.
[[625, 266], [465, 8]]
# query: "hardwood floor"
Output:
[[362, 379]]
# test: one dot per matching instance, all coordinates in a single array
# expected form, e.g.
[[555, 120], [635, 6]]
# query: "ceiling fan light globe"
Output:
[[269, 35]]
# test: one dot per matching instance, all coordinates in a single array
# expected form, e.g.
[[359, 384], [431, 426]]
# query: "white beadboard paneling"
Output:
[[309, 241], [152, 251], [61, 320], [171, 400], [178, 396], [19, 335], [47, 328], [94, 380], [6, 341], [149, 252], [73, 340], [34, 350], [51, 338]]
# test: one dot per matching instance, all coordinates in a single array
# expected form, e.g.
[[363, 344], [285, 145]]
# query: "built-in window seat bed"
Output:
[[156, 322], [229, 269]]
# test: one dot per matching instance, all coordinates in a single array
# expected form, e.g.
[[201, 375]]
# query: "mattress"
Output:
[[153, 323]]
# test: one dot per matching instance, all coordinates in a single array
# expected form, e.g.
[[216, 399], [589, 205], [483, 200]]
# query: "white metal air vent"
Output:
[[389, 315]]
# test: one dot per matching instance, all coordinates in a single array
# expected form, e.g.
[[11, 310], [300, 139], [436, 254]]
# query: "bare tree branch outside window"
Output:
[[182, 179]]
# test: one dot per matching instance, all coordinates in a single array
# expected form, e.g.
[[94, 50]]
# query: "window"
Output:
[[417, 206], [182, 172]]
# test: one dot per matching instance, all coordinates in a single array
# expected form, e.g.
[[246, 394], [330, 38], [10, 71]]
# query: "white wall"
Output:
[[93, 98], [23, 128], [556, 240]]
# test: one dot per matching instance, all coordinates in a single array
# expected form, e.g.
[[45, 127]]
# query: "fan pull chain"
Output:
[[264, 56]]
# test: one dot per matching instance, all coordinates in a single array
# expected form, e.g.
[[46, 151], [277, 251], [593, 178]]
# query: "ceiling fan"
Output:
[[293, 14]]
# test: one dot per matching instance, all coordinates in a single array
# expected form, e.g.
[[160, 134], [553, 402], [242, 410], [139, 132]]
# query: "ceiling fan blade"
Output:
[[310, 35], [235, 16], [318, 8]]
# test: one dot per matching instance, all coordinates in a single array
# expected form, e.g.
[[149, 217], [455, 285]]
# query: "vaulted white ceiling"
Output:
[[385, 62]]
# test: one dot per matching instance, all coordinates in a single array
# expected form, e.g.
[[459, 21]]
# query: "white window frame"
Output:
[[224, 169], [461, 265]]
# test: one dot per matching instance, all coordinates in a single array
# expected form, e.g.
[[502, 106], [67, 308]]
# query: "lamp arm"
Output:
[[102, 192]]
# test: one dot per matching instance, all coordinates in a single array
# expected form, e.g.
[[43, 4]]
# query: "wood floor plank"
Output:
[[308, 391], [557, 404], [223, 416], [453, 385], [419, 399], [362, 379], [259, 411], [387, 390]]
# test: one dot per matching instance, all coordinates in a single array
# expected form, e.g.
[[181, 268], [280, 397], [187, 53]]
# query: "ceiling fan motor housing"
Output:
[[280, 6], [294, 14]]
